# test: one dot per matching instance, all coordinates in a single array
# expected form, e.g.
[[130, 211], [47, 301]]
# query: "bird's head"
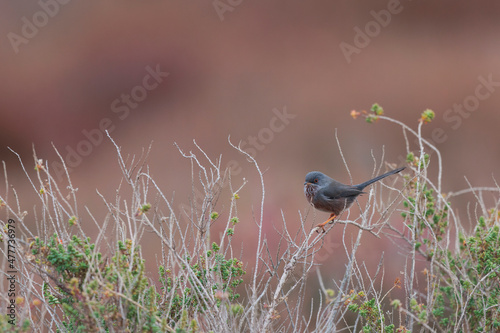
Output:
[[316, 179]]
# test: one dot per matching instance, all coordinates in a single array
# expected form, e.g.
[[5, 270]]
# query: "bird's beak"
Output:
[[307, 183]]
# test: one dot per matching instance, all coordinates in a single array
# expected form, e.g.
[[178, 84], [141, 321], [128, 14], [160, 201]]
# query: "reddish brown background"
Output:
[[225, 78]]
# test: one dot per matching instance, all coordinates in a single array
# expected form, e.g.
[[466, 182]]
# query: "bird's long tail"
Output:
[[371, 181]]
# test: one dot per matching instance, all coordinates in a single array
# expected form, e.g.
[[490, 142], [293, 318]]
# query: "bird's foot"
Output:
[[322, 225]]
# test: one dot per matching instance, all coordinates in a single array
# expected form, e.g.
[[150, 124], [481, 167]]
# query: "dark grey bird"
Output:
[[328, 195]]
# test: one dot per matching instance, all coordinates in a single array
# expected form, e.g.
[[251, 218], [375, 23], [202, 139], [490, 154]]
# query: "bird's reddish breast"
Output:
[[309, 192]]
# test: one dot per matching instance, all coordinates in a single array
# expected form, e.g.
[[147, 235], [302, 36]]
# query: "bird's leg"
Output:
[[322, 225]]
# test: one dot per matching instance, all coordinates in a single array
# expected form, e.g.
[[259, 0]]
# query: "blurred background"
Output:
[[280, 77]]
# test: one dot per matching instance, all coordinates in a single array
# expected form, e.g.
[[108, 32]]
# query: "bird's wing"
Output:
[[340, 190]]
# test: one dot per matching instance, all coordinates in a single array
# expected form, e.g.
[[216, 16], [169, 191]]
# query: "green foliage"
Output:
[[110, 292], [69, 261], [430, 220], [427, 116], [368, 309], [477, 266], [370, 117], [420, 310], [123, 298], [377, 109], [464, 281], [210, 268], [6, 324], [237, 309], [72, 221], [144, 208]]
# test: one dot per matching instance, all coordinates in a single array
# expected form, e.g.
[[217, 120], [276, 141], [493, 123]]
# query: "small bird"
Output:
[[328, 195]]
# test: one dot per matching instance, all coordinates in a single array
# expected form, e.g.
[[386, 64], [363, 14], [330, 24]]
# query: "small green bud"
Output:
[[144, 209], [427, 116], [370, 119], [410, 158], [236, 309], [377, 109], [396, 303], [72, 221]]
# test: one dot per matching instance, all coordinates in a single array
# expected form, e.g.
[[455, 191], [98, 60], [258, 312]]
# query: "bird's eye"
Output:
[[315, 180]]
